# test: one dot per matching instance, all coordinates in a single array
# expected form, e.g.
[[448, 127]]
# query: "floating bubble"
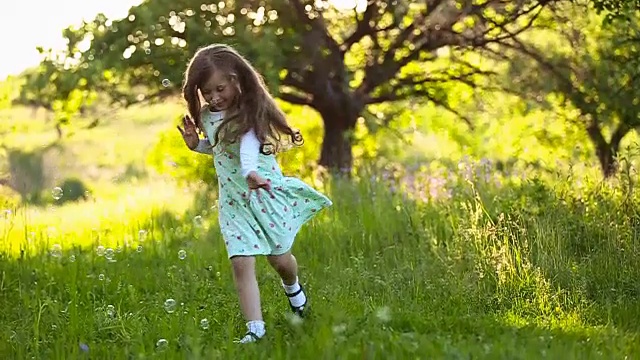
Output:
[[170, 305], [56, 251], [139, 249], [101, 277], [84, 347], [204, 324], [294, 320], [182, 254], [108, 254], [51, 231], [111, 310], [340, 328], [162, 345], [72, 258], [119, 249], [100, 250], [384, 314], [166, 82], [57, 193], [197, 221], [142, 235]]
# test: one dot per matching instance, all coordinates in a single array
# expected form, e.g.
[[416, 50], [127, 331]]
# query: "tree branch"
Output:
[[296, 81], [316, 25], [460, 70], [363, 26], [535, 55], [294, 99], [425, 94], [616, 138], [427, 37]]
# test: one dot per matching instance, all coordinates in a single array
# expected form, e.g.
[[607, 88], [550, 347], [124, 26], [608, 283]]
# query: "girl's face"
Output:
[[220, 91]]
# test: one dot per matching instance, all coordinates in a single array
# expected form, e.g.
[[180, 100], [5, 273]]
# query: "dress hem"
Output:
[[309, 216]]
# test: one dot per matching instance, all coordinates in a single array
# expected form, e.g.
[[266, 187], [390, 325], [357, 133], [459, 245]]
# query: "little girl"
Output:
[[260, 209]]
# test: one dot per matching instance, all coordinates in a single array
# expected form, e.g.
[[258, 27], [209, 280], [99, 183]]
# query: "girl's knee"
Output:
[[243, 265], [280, 261]]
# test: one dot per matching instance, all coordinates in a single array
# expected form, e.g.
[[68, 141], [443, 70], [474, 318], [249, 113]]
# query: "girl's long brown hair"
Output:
[[254, 107]]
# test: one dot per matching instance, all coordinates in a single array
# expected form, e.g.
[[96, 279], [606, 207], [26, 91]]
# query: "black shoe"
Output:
[[299, 310], [249, 337]]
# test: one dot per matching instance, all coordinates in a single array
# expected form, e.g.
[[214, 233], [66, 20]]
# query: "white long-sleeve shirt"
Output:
[[249, 151]]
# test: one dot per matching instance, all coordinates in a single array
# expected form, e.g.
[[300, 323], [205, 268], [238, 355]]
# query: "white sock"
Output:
[[297, 300], [255, 326]]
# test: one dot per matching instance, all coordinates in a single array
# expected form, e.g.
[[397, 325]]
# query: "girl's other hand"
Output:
[[257, 182], [189, 133]]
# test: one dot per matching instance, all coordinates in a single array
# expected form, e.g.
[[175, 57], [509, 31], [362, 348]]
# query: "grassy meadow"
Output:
[[431, 251]]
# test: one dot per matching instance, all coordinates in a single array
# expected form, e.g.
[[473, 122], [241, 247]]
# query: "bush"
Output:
[[72, 190], [170, 156]]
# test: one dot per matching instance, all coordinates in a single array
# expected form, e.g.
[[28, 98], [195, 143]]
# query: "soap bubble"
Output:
[[111, 310], [204, 324], [166, 82], [100, 250], [197, 221], [294, 320], [142, 235], [170, 305], [108, 254], [340, 328], [56, 251], [162, 345], [57, 193], [384, 314], [182, 254]]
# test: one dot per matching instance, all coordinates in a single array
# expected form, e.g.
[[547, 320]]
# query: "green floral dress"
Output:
[[253, 226]]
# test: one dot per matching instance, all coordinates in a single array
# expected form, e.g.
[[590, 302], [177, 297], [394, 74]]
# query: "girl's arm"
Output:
[[204, 147], [249, 151]]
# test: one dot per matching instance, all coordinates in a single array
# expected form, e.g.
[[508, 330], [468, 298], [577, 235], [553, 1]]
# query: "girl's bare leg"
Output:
[[287, 267], [244, 274]]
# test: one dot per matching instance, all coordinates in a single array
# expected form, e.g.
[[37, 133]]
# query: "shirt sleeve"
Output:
[[249, 151], [204, 147]]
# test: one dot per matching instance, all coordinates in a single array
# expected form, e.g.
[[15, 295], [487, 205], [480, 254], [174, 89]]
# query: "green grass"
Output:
[[410, 263], [481, 275]]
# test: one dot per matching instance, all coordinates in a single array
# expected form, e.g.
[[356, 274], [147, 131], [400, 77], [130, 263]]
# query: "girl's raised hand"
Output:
[[189, 133]]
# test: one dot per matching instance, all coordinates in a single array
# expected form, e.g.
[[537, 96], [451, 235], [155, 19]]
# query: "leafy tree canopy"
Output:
[[338, 62]]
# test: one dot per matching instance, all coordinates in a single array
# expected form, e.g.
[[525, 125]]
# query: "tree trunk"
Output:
[[337, 144], [59, 131], [606, 156], [607, 152]]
